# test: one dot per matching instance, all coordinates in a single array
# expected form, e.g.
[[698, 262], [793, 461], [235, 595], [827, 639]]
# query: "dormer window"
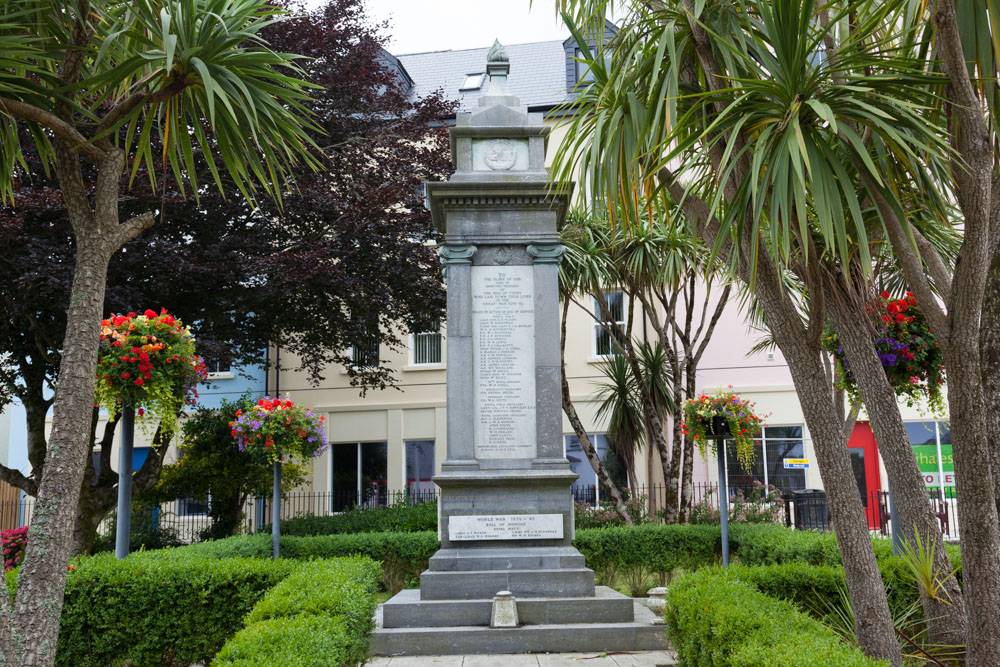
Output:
[[473, 81]]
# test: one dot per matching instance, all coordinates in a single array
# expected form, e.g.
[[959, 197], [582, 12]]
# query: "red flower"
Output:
[[886, 319], [140, 412], [885, 295], [150, 314], [125, 374], [138, 381], [900, 317], [892, 308]]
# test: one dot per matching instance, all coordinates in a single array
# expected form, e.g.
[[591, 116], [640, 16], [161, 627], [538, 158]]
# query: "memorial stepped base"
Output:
[[606, 622]]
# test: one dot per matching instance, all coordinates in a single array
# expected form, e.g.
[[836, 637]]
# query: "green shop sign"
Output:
[[927, 461]]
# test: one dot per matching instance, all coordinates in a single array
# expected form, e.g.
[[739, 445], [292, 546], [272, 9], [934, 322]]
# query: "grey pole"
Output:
[[124, 523], [276, 511], [897, 534], [723, 500]]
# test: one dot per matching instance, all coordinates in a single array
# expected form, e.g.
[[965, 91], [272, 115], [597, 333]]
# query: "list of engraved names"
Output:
[[503, 343]]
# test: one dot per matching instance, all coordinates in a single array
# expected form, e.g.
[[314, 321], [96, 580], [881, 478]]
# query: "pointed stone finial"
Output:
[[497, 68], [497, 53]]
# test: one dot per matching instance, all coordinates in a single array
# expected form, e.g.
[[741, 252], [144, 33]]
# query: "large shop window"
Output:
[[606, 335], [776, 444], [586, 488], [359, 475], [420, 470]]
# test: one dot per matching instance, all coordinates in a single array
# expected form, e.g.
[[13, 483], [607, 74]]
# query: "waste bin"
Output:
[[811, 509]]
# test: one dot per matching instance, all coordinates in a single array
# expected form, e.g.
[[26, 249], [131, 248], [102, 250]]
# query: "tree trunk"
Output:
[[93, 506], [945, 613], [989, 346], [603, 478], [977, 508], [42, 579]]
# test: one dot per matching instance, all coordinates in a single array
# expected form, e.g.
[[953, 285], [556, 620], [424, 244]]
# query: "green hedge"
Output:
[[627, 555], [156, 611], [322, 614], [714, 617], [402, 517], [403, 555]]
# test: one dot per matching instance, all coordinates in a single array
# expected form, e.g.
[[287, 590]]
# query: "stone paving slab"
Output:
[[616, 659]]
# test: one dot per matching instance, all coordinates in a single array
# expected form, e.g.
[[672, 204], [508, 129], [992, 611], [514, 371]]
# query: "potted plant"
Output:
[[147, 362], [723, 415], [276, 429], [910, 355]]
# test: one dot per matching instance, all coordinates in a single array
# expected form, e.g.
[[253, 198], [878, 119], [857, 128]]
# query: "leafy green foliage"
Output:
[[321, 614], [275, 429], [301, 641], [401, 517], [211, 464], [154, 611], [714, 617]]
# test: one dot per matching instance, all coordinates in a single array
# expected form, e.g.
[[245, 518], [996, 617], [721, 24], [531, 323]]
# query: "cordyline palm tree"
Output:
[[621, 411], [90, 82], [761, 121], [662, 268]]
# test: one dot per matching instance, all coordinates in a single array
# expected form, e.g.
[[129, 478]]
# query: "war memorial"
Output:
[[507, 578]]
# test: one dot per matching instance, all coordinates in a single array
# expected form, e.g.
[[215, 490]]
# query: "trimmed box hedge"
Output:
[[715, 617], [618, 554], [322, 614], [156, 611]]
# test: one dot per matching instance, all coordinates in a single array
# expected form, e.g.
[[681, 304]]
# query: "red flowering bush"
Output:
[[147, 361], [737, 414], [906, 347], [274, 429], [13, 543]]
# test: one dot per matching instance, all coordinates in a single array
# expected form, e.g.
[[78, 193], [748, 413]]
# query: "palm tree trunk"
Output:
[[603, 478], [945, 618], [989, 346]]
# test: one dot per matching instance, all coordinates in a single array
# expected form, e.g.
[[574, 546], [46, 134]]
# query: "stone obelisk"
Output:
[[506, 509]]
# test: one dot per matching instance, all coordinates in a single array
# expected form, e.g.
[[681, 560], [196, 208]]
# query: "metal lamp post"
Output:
[[124, 523], [720, 429]]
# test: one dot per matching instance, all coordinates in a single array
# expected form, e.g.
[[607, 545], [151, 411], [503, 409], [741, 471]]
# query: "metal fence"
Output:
[[188, 520]]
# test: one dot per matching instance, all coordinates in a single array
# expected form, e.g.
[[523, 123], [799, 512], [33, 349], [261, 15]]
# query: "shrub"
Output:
[[715, 618], [401, 517], [321, 614], [13, 542], [304, 641], [588, 516], [403, 555], [149, 611]]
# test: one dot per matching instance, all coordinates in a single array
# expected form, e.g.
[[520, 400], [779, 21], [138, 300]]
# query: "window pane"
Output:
[[921, 433], [616, 306], [739, 476], [365, 353], [783, 432], [472, 81], [420, 469], [579, 463], [427, 348], [374, 480], [344, 488], [777, 474], [191, 507], [945, 430]]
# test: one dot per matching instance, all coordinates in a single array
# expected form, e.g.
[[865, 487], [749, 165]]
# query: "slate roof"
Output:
[[537, 73]]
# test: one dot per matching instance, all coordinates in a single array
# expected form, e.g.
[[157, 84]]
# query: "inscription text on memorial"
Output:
[[506, 527], [503, 343]]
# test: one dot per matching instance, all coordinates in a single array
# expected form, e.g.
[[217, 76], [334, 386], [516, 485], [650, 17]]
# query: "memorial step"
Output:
[[524, 558], [407, 610], [638, 635], [484, 584]]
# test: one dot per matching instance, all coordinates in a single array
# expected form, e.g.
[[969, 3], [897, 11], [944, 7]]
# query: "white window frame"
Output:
[[598, 324], [468, 80], [413, 349]]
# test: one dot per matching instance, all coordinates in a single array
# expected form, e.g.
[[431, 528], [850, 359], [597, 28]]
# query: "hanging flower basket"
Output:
[[277, 429], [722, 416], [147, 361], [909, 353]]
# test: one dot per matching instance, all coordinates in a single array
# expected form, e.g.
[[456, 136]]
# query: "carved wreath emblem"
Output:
[[502, 254], [501, 154]]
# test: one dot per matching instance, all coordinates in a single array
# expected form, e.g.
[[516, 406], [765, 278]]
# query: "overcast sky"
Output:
[[437, 25]]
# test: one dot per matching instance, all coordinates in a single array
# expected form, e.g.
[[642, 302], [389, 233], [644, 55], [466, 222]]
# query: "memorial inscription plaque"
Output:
[[506, 527], [503, 339]]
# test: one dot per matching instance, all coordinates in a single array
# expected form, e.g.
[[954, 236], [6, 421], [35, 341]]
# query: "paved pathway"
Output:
[[636, 659]]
